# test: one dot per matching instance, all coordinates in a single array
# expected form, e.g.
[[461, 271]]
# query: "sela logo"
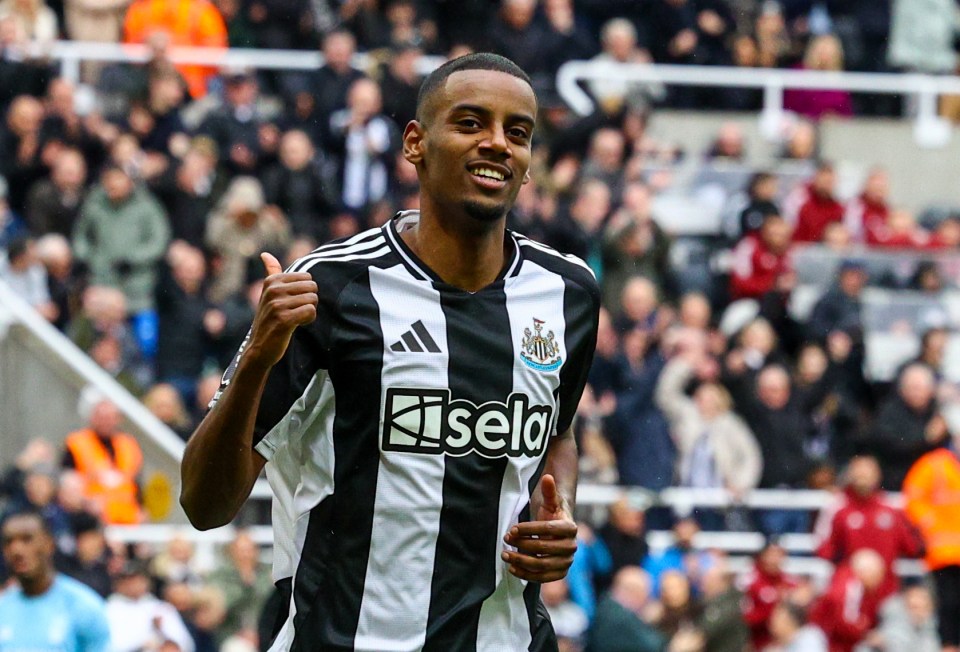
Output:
[[429, 422]]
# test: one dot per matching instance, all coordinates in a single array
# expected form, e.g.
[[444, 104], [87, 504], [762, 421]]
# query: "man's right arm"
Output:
[[220, 464]]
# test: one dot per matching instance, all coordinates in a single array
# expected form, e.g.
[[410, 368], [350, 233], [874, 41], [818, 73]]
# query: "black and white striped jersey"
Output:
[[405, 429]]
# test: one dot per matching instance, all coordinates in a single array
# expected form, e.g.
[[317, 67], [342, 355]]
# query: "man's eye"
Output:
[[469, 123], [519, 133]]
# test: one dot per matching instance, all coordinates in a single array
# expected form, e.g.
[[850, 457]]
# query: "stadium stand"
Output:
[[690, 143]]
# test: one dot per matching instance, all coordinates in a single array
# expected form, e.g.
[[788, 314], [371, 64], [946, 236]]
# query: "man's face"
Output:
[[117, 185], [472, 150], [27, 548], [133, 586], [69, 171], [105, 418], [864, 475], [824, 181], [773, 388], [776, 233], [338, 50]]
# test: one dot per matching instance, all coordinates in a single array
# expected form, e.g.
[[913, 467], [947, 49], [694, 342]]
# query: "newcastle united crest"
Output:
[[538, 351]]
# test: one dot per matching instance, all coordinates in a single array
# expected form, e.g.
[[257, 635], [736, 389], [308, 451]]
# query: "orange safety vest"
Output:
[[188, 22], [107, 482], [932, 490]]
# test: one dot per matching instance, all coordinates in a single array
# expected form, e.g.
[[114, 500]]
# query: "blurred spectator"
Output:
[[619, 624], [236, 125], [400, 84], [327, 87], [767, 586], [88, 562], [591, 565], [745, 53], [848, 612], [21, 269], [107, 351], [932, 491], [840, 308], [812, 207], [908, 621], [20, 162], [908, 425], [690, 31], [577, 227], [946, 234], [297, 187], [187, 320], [716, 449], [282, 24], [245, 583], [824, 53], [681, 557], [11, 226], [901, 231], [36, 453], [866, 214], [194, 23], [99, 20], [189, 190], [634, 244], [110, 462], [922, 36], [42, 601], [241, 227], [721, 621], [761, 260], [164, 402], [53, 204], [104, 312], [121, 234], [624, 534], [365, 142], [176, 563], [791, 633], [604, 160], [155, 120], [802, 142], [138, 620], [728, 146], [63, 127], [762, 192], [619, 41], [569, 620], [38, 494], [680, 609], [862, 519], [37, 21]]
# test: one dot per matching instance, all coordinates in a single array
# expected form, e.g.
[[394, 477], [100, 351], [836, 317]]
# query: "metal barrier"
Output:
[[930, 130]]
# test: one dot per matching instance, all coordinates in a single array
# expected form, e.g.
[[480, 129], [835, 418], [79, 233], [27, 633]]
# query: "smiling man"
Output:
[[410, 391]]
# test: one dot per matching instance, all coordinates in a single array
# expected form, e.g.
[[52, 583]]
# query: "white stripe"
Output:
[[527, 242], [534, 293], [342, 259], [409, 495], [392, 234], [326, 255]]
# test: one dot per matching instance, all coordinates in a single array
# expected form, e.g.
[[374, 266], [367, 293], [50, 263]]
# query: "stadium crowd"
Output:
[[133, 208]]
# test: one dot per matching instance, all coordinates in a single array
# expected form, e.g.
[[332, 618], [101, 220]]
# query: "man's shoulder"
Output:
[[81, 597], [335, 264], [568, 266]]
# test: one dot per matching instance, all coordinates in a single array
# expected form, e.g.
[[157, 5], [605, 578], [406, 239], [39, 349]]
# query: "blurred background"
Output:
[[766, 190]]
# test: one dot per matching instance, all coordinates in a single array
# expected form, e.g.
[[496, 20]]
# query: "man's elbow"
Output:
[[200, 514]]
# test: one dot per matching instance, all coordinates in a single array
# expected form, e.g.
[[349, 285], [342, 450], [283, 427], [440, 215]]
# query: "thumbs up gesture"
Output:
[[288, 300], [544, 548]]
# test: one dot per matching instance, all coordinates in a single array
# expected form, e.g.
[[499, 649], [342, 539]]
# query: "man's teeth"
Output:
[[492, 174]]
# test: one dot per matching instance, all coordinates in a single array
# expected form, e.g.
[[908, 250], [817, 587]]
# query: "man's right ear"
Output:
[[413, 142]]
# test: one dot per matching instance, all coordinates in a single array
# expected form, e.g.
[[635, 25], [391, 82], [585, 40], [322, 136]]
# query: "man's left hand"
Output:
[[544, 547]]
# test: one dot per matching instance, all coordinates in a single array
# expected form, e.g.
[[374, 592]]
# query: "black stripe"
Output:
[[335, 246], [480, 370], [411, 342], [424, 336], [397, 346], [331, 574]]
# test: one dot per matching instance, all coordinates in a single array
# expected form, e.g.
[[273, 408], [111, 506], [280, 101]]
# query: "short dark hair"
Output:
[[18, 247], [475, 61], [31, 514]]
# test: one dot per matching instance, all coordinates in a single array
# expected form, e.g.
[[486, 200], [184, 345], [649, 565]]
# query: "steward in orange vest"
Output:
[[109, 465]]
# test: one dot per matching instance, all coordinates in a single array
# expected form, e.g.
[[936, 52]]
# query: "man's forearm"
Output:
[[219, 464], [562, 464]]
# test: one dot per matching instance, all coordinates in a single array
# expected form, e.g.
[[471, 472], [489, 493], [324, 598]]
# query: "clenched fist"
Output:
[[288, 300]]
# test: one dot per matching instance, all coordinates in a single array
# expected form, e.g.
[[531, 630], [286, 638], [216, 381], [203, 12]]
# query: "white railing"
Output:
[[930, 129], [70, 54]]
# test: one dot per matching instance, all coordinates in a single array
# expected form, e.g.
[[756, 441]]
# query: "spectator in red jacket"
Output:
[[869, 210], [767, 586], [759, 260], [900, 230], [849, 609], [862, 519], [816, 206]]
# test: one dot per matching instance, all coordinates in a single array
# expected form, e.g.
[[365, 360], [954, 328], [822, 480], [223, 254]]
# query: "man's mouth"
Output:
[[488, 173], [489, 176]]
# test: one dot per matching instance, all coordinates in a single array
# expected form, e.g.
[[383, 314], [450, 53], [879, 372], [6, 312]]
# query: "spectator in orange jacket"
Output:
[[863, 519], [932, 490], [849, 610], [194, 23], [109, 462]]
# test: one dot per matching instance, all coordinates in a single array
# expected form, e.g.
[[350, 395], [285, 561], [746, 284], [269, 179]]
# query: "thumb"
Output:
[[548, 489], [271, 264]]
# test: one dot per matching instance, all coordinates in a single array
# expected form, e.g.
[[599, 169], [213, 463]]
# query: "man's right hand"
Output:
[[288, 300]]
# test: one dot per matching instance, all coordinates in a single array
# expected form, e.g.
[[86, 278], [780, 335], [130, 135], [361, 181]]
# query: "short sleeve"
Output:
[[93, 630], [581, 309]]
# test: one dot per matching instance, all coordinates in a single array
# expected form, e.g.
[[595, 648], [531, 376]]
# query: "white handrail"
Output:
[[930, 128]]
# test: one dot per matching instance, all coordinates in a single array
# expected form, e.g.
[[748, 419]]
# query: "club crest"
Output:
[[538, 351]]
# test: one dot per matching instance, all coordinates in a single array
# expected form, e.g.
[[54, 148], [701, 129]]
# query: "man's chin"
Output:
[[485, 211]]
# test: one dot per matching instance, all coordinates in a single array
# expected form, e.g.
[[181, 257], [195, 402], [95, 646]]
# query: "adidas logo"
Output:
[[416, 340]]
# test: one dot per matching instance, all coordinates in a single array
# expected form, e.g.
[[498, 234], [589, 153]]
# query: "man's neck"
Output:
[[462, 251], [37, 586]]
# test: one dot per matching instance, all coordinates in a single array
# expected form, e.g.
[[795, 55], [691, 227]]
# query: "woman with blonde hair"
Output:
[[825, 54]]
